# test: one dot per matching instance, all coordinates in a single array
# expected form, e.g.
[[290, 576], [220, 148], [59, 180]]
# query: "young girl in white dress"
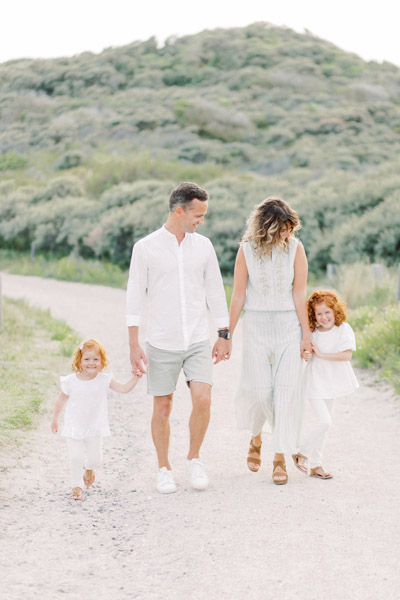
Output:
[[329, 374], [84, 393]]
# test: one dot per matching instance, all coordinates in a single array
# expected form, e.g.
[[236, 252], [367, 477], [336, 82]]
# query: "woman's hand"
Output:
[[54, 426], [305, 346]]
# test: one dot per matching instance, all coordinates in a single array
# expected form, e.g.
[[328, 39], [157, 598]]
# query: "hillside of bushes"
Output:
[[91, 146]]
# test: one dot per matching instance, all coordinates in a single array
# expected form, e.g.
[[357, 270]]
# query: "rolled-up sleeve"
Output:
[[137, 285], [214, 289]]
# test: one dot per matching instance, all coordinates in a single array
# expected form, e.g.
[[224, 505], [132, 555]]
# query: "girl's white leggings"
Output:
[[83, 454], [315, 441]]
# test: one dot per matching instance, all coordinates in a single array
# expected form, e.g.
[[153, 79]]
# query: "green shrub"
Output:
[[378, 344], [61, 187], [69, 160], [12, 161], [364, 284]]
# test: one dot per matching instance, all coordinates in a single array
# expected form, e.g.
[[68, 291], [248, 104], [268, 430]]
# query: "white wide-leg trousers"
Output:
[[314, 445], [271, 384]]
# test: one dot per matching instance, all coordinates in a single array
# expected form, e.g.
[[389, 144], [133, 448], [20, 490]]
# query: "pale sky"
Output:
[[52, 28]]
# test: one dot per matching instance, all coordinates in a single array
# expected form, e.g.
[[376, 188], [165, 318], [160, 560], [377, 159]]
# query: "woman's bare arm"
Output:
[[239, 290], [300, 296]]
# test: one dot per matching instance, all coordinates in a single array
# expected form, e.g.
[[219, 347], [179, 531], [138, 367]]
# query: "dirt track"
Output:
[[244, 538]]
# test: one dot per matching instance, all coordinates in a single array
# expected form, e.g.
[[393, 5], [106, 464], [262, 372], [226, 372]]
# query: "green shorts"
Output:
[[164, 367]]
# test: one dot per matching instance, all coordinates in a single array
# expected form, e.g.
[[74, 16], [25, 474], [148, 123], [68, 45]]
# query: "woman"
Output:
[[270, 283]]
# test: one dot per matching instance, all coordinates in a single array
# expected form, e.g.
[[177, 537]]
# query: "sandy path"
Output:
[[243, 538]]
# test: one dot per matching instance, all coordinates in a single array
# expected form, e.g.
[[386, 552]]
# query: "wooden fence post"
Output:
[[377, 270], [398, 284], [330, 270], [1, 307]]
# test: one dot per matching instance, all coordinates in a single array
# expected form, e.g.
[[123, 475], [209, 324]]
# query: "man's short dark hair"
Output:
[[185, 193]]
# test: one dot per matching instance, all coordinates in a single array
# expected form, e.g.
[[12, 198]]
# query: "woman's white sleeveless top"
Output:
[[270, 283]]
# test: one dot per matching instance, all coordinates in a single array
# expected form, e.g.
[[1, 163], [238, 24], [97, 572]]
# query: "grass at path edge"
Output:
[[34, 350]]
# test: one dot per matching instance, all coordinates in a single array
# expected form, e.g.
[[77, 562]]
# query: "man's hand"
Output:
[[222, 350], [138, 360]]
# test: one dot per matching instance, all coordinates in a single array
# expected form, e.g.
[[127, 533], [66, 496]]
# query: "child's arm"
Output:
[[124, 388], [60, 403], [345, 355]]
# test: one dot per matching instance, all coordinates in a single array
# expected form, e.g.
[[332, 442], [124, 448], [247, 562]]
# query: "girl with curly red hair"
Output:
[[330, 374], [84, 393]]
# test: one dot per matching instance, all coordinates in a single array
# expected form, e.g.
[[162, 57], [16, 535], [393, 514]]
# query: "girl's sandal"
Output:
[[300, 466], [320, 474], [88, 477], [76, 493], [279, 475], [254, 462]]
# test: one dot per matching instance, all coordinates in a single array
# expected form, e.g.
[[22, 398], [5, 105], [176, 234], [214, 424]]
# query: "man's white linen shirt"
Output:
[[179, 278]]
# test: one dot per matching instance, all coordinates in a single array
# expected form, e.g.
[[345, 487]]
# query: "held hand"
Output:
[[138, 361], [316, 350], [307, 355], [54, 426], [222, 350], [305, 346]]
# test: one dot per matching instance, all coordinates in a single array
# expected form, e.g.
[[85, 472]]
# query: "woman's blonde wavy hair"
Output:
[[265, 223], [90, 344]]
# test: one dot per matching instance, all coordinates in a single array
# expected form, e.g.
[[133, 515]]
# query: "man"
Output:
[[179, 269]]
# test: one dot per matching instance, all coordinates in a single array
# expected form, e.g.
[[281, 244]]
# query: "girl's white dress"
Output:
[[270, 390], [86, 413], [328, 378]]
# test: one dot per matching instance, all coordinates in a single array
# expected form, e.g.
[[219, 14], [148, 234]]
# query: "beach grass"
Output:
[[67, 268], [378, 334], [70, 268], [33, 352]]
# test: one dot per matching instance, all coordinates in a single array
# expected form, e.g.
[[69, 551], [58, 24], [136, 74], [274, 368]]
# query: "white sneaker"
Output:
[[198, 476], [165, 481]]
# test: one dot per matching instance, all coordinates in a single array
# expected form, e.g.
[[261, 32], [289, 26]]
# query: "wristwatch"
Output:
[[224, 333]]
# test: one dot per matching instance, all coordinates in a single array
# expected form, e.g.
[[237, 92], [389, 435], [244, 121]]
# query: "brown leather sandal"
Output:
[[254, 462], [279, 471], [300, 466], [323, 475], [88, 477], [76, 493]]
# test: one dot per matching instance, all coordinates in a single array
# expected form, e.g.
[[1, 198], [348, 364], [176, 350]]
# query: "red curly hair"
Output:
[[331, 300], [90, 344]]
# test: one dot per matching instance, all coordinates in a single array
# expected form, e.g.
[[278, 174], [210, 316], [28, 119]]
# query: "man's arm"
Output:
[[136, 353], [137, 285], [216, 300]]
